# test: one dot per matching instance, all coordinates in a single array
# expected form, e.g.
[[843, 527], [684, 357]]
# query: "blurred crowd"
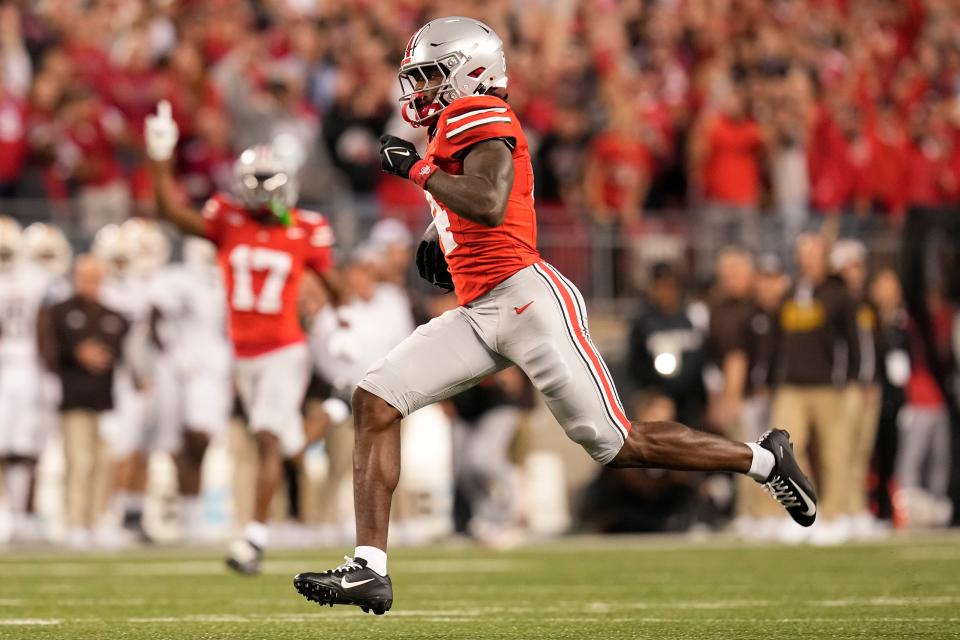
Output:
[[827, 351], [724, 108]]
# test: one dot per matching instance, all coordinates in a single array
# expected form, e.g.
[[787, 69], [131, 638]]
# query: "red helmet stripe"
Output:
[[411, 43]]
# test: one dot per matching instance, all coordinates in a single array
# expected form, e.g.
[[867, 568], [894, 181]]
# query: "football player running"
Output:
[[514, 309], [22, 433], [127, 428], [193, 383], [264, 246]]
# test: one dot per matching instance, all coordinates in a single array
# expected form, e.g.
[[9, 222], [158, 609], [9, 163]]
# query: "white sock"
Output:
[[762, 464], [376, 558], [257, 533]]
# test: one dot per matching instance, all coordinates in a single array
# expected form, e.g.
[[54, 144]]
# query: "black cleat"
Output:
[[787, 483], [350, 583], [133, 524], [245, 558]]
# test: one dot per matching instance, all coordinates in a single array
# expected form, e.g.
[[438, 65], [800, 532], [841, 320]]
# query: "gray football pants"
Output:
[[535, 319]]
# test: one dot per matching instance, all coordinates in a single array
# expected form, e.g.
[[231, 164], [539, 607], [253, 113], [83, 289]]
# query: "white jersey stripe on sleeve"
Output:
[[476, 123], [476, 112]]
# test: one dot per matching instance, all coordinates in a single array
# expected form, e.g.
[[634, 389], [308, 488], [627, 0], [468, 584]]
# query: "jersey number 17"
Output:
[[245, 261]]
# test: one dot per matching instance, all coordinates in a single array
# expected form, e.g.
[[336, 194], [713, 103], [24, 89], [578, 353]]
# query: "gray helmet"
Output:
[[455, 56], [261, 176]]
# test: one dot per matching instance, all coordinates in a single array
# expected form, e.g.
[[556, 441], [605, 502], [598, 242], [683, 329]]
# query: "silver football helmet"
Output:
[[47, 246], [262, 175], [151, 248], [446, 59], [114, 248], [199, 254]]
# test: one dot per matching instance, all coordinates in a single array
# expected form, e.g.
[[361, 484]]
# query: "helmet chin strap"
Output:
[[422, 114]]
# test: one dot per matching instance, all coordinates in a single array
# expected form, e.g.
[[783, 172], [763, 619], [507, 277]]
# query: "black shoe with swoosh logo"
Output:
[[350, 583], [787, 483]]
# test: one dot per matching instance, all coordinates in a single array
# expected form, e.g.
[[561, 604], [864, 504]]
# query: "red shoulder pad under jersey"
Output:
[[319, 255], [216, 213], [474, 119]]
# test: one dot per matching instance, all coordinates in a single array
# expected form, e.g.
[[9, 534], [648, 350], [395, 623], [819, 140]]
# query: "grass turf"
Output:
[[612, 588]]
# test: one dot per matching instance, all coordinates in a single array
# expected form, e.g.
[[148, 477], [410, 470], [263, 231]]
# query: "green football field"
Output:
[[658, 588]]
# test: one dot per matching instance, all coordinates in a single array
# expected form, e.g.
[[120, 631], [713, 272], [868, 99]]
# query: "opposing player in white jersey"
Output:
[[126, 429], [515, 309], [193, 386], [46, 246], [22, 434]]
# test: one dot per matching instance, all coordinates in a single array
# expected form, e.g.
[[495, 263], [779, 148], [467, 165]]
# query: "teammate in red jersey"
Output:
[[264, 247], [515, 310]]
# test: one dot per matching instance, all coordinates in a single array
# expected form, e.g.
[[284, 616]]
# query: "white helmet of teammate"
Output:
[[112, 246], [10, 235], [446, 59], [265, 175], [151, 249], [47, 246], [199, 253]]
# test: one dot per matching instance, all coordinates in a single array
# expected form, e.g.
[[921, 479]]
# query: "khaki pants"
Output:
[[817, 412], [87, 468], [325, 498], [862, 404]]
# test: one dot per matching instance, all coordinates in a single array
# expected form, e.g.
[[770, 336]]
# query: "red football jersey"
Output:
[[263, 264], [481, 257]]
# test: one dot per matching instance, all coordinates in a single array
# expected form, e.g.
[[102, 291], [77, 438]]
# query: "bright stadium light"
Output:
[[666, 364]]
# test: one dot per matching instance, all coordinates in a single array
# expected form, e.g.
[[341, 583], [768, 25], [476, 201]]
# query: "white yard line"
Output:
[[885, 601], [198, 618], [29, 621], [472, 616]]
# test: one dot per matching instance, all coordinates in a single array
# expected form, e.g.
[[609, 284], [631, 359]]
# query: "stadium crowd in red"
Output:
[[836, 106]]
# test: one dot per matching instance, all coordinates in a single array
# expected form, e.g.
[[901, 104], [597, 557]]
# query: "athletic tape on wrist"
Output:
[[421, 171]]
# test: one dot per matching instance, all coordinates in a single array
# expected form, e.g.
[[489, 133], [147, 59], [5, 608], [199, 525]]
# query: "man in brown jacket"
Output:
[[81, 341]]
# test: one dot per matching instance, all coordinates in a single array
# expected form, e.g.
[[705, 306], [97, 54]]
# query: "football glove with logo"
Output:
[[430, 261], [400, 157]]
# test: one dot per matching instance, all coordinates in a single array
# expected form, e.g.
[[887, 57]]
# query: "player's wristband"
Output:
[[421, 171]]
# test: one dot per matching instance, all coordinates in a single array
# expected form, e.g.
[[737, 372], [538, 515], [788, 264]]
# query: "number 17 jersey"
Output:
[[263, 263]]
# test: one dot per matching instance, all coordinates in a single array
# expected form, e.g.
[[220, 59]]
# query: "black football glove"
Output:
[[397, 156], [432, 265]]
